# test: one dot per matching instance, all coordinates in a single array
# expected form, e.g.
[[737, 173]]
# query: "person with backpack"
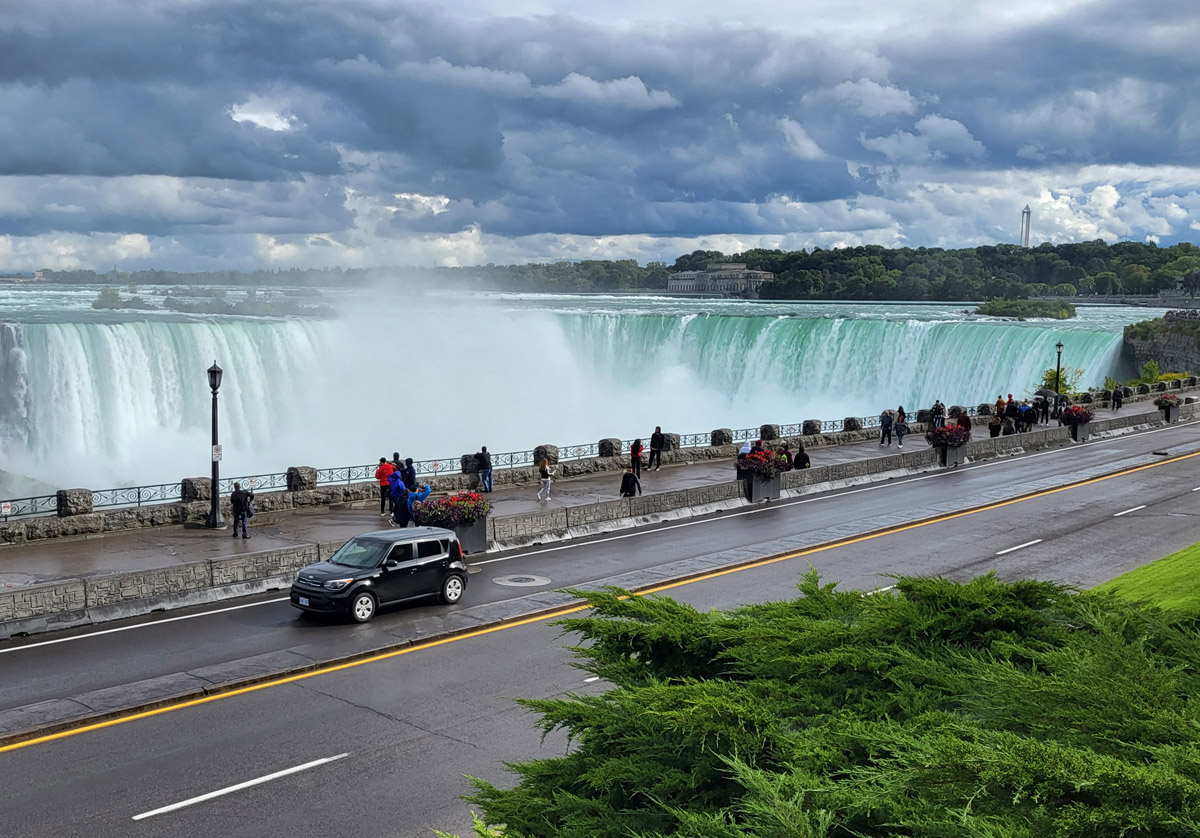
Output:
[[240, 501], [937, 414], [1117, 397], [657, 441], [900, 424]]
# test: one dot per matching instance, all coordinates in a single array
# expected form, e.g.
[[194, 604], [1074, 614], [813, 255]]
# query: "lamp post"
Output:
[[1057, 382], [215, 520]]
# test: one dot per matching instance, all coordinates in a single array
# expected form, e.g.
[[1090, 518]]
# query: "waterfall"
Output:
[[91, 402]]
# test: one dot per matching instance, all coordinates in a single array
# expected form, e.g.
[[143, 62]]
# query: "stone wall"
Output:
[[74, 602], [20, 531]]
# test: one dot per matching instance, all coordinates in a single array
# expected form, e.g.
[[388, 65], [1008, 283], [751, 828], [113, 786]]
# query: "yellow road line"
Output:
[[716, 574]]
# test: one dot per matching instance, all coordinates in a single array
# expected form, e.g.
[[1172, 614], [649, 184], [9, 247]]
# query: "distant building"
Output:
[[37, 277], [732, 279]]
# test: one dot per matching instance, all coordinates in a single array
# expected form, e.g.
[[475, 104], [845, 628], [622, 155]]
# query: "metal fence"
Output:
[[136, 496]]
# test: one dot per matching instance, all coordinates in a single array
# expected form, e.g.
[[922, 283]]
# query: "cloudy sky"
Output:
[[205, 134]]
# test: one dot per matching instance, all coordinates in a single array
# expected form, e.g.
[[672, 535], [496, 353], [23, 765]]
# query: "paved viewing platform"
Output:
[[167, 546]]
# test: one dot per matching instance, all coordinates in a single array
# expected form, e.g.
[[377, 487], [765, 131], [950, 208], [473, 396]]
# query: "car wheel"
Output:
[[362, 607], [452, 590]]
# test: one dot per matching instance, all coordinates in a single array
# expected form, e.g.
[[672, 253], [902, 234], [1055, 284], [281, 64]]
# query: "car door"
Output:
[[433, 557], [395, 579]]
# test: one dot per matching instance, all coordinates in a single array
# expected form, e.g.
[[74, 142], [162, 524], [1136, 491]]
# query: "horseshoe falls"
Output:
[[112, 399]]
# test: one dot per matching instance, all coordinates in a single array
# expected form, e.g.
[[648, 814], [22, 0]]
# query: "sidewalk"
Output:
[[147, 549]]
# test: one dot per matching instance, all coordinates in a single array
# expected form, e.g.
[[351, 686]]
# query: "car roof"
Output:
[[406, 534]]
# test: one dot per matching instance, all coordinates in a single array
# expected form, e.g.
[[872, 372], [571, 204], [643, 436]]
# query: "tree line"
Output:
[[870, 272]]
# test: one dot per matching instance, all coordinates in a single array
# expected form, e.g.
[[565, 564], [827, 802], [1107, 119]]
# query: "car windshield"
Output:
[[360, 553]]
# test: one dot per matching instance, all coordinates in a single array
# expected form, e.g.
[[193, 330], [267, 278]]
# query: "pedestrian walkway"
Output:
[[147, 549]]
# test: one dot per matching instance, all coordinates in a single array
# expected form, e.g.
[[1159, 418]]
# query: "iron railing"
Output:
[[135, 496]]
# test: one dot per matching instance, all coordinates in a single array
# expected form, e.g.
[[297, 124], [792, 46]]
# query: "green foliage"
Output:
[[869, 272], [939, 709], [1071, 376], [1149, 373], [1027, 308]]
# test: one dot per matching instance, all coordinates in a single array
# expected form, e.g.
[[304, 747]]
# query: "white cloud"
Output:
[[870, 98], [262, 112], [798, 140], [936, 138]]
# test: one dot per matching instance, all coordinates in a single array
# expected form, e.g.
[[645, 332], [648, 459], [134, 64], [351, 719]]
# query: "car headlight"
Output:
[[337, 584]]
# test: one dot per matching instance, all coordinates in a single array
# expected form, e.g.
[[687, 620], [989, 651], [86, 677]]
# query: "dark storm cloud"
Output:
[[277, 116]]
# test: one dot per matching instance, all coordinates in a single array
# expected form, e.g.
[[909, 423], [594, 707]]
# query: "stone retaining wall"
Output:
[[94, 523], [73, 602]]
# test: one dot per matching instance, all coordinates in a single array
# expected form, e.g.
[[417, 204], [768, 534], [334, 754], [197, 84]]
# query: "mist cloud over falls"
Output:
[[107, 404], [222, 133]]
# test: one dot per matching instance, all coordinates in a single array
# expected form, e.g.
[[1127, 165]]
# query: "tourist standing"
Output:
[[657, 440], [397, 463], [635, 456], [397, 492], [885, 427], [485, 469], [630, 484], [964, 421], [1117, 397], [994, 426], [544, 474], [240, 500], [901, 426], [999, 405], [938, 413], [410, 474], [404, 509], [800, 460], [382, 474]]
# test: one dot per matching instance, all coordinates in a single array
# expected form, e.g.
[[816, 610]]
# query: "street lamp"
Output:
[[1057, 383], [215, 520]]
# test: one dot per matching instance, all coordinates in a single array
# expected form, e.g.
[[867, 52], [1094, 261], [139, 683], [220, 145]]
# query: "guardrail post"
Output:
[[73, 502]]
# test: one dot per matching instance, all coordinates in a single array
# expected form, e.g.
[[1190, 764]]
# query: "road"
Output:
[[413, 725]]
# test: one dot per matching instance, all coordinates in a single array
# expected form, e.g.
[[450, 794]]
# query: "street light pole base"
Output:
[[217, 523]]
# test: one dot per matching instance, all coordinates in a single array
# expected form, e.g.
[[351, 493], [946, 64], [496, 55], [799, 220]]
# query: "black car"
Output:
[[381, 568]]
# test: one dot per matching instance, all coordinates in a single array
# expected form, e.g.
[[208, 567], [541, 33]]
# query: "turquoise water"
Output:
[[104, 399]]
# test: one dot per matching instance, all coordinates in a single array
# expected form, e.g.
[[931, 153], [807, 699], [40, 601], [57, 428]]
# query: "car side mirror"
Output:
[[391, 563]]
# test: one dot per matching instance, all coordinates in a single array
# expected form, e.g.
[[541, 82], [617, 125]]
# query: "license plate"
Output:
[[303, 600]]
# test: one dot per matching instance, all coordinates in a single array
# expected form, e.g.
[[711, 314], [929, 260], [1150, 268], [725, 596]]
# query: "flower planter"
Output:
[[759, 489], [1081, 431], [1170, 414], [473, 536], [951, 455]]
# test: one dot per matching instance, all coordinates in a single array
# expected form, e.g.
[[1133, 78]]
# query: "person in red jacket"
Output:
[[635, 457], [382, 474]]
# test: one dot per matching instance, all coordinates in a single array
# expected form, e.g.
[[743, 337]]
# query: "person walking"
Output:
[[635, 456], [630, 484], [885, 427], [240, 501], [657, 441], [382, 474], [1117, 397], [544, 474], [485, 469], [901, 426]]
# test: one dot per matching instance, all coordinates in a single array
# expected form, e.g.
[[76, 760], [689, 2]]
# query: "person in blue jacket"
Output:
[[404, 508], [397, 492]]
